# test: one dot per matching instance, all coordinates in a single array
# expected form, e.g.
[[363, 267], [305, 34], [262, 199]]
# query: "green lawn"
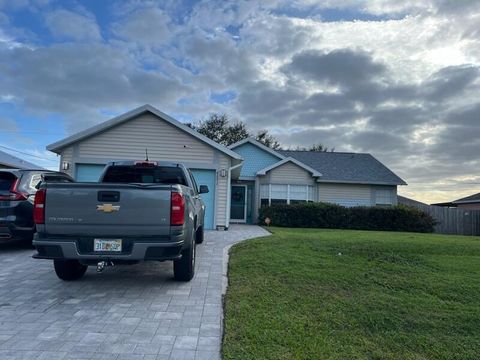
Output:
[[340, 294]]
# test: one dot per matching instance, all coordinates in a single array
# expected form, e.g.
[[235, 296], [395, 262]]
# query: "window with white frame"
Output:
[[299, 193], [264, 195], [285, 194], [383, 197], [278, 194]]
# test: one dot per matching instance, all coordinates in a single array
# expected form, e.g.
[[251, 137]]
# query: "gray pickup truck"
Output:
[[140, 210]]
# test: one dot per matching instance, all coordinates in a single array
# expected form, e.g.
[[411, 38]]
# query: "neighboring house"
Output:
[[403, 200], [471, 202], [240, 177], [8, 161]]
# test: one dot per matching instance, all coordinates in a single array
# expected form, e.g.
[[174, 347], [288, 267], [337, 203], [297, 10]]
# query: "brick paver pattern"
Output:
[[127, 312]]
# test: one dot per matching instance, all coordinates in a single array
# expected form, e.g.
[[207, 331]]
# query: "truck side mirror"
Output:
[[204, 189]]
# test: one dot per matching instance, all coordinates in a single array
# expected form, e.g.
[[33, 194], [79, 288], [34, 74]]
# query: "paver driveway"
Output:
[[127, 312]]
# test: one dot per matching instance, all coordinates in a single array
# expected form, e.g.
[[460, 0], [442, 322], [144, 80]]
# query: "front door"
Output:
[[238, 203]]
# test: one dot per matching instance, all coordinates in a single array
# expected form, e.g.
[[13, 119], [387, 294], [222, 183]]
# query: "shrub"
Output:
[[323, 215]]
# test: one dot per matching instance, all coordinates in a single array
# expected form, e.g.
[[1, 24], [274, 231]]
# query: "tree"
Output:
[[319, 147], [218, 128], [236, 132], [215, 127], [268, 140], [315, 147]]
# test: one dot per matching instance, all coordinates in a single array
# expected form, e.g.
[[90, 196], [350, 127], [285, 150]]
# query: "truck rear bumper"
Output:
[[51, 249]]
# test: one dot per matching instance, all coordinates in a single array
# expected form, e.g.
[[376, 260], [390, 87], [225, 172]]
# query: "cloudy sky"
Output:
[[398, 79]]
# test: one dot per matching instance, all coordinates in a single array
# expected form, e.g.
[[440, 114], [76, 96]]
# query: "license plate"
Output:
[[107, 245]]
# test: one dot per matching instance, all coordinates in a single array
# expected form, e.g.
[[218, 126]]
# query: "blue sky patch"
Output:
[[224, 97]]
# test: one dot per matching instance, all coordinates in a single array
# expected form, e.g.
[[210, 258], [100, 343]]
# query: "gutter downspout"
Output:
[[229, 193]]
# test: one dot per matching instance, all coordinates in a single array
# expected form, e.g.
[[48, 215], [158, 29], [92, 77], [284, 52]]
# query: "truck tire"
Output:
[[184, 268], [199, 235], [69, 270]]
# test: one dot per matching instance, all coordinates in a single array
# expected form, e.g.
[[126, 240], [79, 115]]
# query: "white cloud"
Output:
[[71, 25], [408, 112], [145, 26]]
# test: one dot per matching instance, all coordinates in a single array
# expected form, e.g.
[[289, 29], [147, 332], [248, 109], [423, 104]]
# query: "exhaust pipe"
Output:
[[103, 264]]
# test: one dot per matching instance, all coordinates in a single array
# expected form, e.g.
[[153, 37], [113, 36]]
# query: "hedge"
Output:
[[323, 215]]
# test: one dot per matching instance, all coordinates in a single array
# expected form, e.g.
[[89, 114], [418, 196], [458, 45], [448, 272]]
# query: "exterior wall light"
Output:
[[223, 172], [65, 165]]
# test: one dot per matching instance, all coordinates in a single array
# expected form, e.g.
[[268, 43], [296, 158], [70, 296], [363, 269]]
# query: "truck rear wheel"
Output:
[[184, 268], [69, 270]]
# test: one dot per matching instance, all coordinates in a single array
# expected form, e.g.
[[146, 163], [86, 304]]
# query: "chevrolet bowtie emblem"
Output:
[[108, 208]]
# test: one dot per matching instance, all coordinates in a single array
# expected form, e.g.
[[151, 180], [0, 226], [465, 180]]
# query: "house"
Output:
[[471, 202], [241, 177], [289, 176], [8, 161], [403, 200]]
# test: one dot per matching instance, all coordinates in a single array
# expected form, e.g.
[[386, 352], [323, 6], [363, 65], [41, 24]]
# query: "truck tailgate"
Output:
[[97, 209]]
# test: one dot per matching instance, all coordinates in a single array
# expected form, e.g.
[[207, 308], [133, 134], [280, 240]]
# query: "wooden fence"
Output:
[[451, 221]]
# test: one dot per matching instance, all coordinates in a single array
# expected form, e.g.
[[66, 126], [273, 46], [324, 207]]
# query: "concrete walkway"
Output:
[[128, 312]]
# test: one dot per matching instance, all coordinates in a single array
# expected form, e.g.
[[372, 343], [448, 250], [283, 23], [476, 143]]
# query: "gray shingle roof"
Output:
[[346, 167], [471, 198], [15, 162]]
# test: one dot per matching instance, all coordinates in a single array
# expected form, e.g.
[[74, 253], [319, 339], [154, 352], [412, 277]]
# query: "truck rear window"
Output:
[[6, 181], [154, 175]]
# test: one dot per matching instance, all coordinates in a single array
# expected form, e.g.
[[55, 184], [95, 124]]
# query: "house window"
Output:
[[383, 197], [285, 194], [299, 193], [279, 194]]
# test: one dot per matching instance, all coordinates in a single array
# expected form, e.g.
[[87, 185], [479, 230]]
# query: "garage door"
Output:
[[88, 172], [207, 177]]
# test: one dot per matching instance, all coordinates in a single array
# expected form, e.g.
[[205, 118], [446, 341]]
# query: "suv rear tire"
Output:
[[184, 268], [69, 270]]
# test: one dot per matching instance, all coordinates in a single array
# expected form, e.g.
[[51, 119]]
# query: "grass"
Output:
[[340, 294]]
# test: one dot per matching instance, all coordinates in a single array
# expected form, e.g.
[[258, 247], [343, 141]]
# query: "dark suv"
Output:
[[17, 192]]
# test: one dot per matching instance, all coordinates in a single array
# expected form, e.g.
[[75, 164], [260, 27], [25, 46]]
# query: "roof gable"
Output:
[[102, 127], [255, 158], [258, 144], [289, 160]]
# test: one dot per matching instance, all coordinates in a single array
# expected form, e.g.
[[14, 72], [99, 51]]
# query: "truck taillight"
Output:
[[39, 206], [177, 211]]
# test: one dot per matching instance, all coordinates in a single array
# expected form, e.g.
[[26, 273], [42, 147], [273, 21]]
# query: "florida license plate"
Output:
[[107, 245]]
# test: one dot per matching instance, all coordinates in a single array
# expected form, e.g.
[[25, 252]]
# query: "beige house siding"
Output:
[[353, 194], [394, 191], [164, 142], [129, 141], [67, 155], [346, 195], [288, 173], [222, 191]]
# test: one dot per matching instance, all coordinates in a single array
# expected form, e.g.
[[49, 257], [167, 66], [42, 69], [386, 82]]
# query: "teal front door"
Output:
[[238, 204], [207, 177]]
